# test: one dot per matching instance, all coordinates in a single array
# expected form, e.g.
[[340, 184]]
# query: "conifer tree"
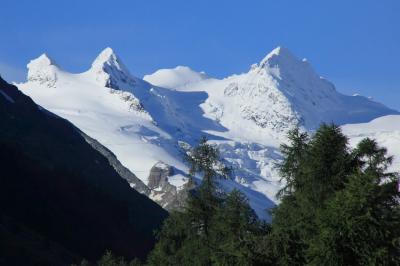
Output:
[[361, 224], [339, 207], [313, 169], [237, 232], [294, 156], [109, 259], [204, 202], [185, 237]]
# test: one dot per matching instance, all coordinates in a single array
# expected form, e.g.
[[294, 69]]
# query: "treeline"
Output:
[[339, 206]]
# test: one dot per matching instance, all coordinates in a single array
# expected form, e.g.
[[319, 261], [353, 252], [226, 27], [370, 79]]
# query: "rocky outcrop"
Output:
[[124, 172], [159, 175], [159, 189], [163, 192]]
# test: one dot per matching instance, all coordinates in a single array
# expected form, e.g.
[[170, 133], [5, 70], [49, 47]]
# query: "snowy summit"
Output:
[[179, 76], [110, 72]]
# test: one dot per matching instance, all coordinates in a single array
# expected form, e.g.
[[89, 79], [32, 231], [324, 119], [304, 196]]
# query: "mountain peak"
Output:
[[109, 70], [42, 61], [280, 50], [106, 59], [108, 51], [280, 63], [280, 55], [43, 70]]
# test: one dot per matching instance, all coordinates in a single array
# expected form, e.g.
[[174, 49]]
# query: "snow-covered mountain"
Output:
[[147, 123], [177, 77]]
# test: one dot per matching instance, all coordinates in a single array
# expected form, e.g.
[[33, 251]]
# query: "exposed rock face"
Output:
[[159, 175], [163, 192], [159, 189], [124, 172]]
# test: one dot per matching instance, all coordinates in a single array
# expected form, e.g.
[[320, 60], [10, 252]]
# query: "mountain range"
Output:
[[150, 123]]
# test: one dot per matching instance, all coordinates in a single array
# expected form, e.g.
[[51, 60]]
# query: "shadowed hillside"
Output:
[[60, 200]]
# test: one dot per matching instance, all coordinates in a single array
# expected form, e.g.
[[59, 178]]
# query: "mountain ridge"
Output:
[[247, 116]]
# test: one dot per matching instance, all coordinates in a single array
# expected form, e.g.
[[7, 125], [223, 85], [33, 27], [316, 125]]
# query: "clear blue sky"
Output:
[[353, 43]]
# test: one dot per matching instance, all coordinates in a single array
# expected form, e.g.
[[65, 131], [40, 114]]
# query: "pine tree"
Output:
[[339, 207], [236, 231], [313, 170], [173, 241], [108, 259], [204, 202], [294, 156], [361, 224], [185, 238]]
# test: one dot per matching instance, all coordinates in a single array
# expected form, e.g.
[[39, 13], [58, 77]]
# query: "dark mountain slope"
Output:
[[58, 194]]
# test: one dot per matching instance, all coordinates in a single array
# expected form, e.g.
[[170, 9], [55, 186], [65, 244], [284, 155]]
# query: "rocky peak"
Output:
[[281, 64], [108, 58], [278, 56], [43, 70], [109, 71]]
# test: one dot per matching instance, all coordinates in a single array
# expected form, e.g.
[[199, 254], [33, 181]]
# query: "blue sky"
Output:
[[353, 43]]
